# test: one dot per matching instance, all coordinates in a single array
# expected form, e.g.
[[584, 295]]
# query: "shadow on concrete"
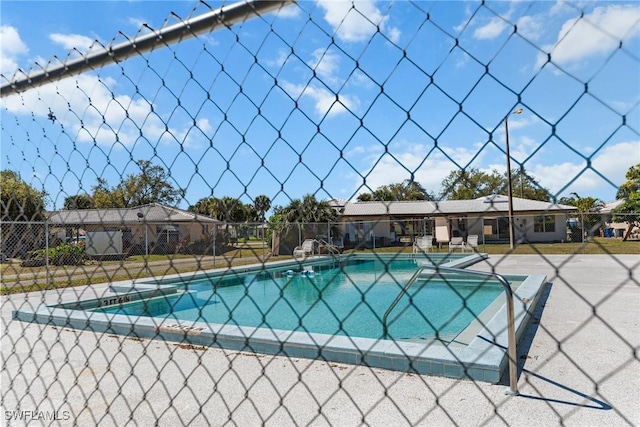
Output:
[[523, 349]]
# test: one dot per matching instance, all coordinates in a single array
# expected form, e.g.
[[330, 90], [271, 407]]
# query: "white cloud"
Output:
[[558, 7], [11, 48], [430, 173], [356, 21], [394, 34], [139, 24], [356, 151], [326, 64], [289, 11], [211, 41], [596, 33], [563, 6], [102, 120], [279, 60], [325, 102], [530, 27], [622, 107], [612, 162], [74, 41], [204, 125], [463, 59], [521, 149], [491, 30]]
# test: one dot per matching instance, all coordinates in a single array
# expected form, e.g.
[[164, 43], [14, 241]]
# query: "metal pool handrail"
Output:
[[328, 246], [512, 346]]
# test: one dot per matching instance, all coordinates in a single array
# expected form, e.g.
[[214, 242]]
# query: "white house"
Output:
[[154, 225], [487, 217]]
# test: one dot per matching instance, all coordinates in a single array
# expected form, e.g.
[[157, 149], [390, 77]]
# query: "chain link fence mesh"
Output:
[[207, 106]]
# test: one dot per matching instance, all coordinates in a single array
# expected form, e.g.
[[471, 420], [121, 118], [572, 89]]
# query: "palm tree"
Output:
[[308, 212], [588, 207], [204, 206], [262, 204], [79, 201], [584, 204]]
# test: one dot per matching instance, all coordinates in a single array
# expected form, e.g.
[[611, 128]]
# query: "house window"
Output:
[[544, 224], [359, 231], [168, 234]]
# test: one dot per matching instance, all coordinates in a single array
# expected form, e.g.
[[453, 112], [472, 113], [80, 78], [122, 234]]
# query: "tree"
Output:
[[205, 206], [366, 197], [406, 190], [79, 201], [630, 191], [20, 201], [309, 214], [473, 183], [308, 210], [632, 185], [227, 209], [230, 209], [584, 204], [470, 184], [149, 186], [261, 204], [629, 212], [105, 197], [525, 187]]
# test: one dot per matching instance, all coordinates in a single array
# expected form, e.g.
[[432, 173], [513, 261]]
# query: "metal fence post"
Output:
[[46, 253]]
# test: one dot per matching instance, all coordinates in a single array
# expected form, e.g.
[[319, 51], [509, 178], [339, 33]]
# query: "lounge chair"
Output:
[[307, 248], [456, 243], [472, 242], [442, 234], [423, 244]]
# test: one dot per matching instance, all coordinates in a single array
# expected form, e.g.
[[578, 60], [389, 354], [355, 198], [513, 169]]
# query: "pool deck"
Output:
[[577, 368]]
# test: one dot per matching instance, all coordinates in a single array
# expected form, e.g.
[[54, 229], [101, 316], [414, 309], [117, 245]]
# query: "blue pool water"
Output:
[[338, 300]]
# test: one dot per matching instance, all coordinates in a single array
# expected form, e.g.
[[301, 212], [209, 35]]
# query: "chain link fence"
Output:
[[131, 311]]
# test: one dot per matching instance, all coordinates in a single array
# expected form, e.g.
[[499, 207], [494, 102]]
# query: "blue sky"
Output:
[[366, 95]]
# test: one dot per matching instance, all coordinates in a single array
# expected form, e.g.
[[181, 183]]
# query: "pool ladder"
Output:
[[329, 247], [512, 349]]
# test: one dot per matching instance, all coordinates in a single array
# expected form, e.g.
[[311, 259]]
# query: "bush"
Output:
[[63, 254]]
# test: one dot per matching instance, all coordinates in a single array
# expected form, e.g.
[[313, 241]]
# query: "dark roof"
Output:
[[152, 213]]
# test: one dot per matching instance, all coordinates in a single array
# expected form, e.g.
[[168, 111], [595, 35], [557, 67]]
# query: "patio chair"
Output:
[[307, 248], [423, 244], [472, 242], [456, 243], [442, 235]]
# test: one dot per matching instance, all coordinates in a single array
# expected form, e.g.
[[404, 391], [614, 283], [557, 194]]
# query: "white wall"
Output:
[[104, 242], [524, 229]]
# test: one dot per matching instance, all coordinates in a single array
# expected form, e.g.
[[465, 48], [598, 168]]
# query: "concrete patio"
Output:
[[579, 366]]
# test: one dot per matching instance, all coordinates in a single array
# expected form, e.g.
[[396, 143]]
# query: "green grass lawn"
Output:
[[35, 278], [596, 246]]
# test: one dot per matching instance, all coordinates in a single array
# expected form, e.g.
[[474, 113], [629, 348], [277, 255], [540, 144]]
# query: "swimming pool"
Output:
[[346, 298], [451, 326]]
